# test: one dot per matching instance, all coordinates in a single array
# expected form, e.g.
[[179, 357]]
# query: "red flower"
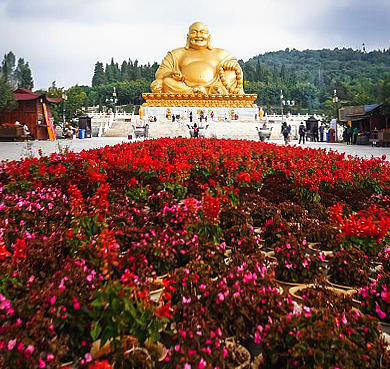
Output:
[[164, 311], [100, 365]]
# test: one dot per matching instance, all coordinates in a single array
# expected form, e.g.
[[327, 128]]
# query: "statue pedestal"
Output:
[[219, 107]]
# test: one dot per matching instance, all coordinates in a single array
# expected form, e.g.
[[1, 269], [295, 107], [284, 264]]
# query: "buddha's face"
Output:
[[198, 36]]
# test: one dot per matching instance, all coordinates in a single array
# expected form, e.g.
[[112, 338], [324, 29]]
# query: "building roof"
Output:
[[356, 113], [23, 94]]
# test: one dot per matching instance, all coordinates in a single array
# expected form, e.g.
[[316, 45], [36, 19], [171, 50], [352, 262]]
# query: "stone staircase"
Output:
[[237, 130], [119, 128], [167, 128], [241, 130]]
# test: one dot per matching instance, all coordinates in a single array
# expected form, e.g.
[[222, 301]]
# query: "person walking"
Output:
[[315, 133], [321, 130], [348, 135], [355, 132], [302, 132], [196, 130], [285, 132]]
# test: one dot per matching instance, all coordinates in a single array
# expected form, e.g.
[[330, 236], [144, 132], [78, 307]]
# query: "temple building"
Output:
[[33, 110]]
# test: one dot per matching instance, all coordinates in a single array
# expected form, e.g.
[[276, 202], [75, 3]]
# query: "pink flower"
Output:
[[187, 366], [257, 338], [76, 304], [225, 352], [88, 357], [380, 313], [185, 300], [29, 350], [202, 364], [53, 300], [49, 357], [11, 344], [42, 363]]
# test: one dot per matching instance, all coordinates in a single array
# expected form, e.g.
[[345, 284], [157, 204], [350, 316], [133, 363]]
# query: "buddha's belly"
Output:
[[198, 72]]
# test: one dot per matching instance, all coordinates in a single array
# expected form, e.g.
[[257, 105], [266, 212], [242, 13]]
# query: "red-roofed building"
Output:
[[31, 111]]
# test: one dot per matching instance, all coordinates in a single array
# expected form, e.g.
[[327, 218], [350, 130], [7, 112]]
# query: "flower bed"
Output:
[[84, 238]]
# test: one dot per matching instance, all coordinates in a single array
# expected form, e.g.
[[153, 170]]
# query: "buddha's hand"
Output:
[[156, 85], [178, 76], [230, 65]]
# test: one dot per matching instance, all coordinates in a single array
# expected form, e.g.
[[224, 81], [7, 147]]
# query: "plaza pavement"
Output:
[[18, 150]]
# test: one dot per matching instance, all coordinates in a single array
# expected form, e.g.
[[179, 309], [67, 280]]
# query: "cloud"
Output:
[[63, 39]]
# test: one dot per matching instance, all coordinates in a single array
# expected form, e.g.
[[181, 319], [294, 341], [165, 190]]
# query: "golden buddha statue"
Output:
[[198, 68]]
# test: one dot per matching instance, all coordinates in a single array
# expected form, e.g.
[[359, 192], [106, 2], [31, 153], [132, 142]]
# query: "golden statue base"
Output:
[[199, 100]]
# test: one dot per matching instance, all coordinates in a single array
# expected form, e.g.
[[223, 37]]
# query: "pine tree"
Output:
[[99, 77], [23, 75], [8, 67], [7, 101]]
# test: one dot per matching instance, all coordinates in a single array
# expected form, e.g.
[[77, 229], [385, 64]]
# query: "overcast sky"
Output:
[[63, 39]]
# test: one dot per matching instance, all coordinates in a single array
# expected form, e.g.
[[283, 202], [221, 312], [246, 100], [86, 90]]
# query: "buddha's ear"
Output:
[[209, 43], [188, 42]]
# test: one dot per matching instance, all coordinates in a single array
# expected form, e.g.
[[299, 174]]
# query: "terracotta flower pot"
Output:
[[287, 285], [239, 354], [293, 291]]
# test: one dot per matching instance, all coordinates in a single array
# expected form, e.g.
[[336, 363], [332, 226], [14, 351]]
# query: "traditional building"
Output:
[[33, 110]]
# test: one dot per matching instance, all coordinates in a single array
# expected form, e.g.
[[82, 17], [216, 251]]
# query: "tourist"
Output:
[[67, 133], [26, 131], [315, 133], [331, 135], [302, 133], [321, 130], [196, 130], [190, 116], [355, 133], [285, 132]]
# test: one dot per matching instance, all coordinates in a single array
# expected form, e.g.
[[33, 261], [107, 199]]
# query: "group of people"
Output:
[[70, 132], [317, 133], [350, 135]]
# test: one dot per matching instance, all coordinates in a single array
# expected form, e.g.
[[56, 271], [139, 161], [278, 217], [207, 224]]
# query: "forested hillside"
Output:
[[310, 77]]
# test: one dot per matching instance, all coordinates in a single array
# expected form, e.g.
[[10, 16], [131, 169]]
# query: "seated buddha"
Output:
[[198, 68]]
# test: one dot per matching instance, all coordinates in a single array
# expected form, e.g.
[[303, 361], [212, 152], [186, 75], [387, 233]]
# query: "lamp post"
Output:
[[335, 100], [284, 102], [64, 97], [114, 100]]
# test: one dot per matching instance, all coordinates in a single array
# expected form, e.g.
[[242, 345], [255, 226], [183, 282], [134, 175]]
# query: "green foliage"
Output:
[[77, 99], [19, 76], [7, 101], [119, 312]]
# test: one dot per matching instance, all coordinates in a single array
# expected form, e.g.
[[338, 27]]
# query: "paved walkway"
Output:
[[17, 150]]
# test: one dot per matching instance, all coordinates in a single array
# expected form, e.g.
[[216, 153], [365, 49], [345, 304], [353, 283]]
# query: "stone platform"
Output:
[[220, 107]]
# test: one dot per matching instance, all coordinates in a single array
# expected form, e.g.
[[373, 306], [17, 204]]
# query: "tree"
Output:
[[99, 77], [7, 100], [77, 99], [23, 75], [7, 69]]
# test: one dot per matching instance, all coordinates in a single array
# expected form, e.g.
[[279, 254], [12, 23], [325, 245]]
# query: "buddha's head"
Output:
[[198, 37]]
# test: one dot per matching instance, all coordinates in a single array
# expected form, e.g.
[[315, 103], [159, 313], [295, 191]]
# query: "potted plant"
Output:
[[375, 298], [349, 268], [294, 265], [365, 230], [323, 338]]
